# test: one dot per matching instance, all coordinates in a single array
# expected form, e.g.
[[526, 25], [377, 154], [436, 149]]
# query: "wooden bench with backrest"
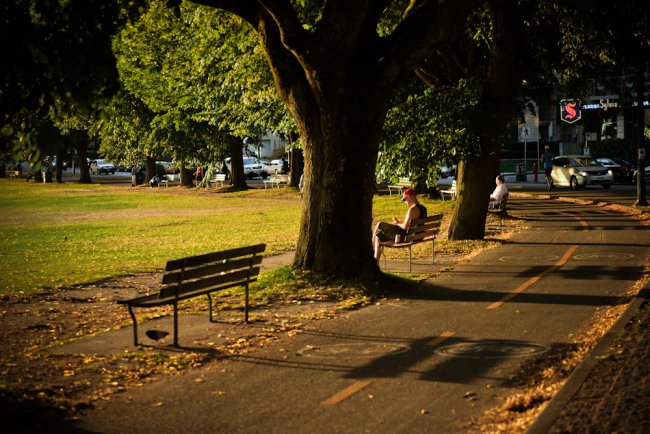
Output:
[[276, 180], [194, 276], [421, 230], [501, 207], [218, 180], [401, 185], [450, 192], [12, 173]]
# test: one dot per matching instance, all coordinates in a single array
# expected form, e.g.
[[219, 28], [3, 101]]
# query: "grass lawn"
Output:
[[58, 235]]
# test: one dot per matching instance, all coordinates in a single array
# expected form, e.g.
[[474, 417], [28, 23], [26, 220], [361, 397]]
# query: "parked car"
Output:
[[98, 167], [621, 169], [278, 166], [253, 168], [577, 171], [626, 167], [646, 175]]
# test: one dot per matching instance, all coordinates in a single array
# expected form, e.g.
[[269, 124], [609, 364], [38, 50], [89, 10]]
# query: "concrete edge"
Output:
[[548, 416]]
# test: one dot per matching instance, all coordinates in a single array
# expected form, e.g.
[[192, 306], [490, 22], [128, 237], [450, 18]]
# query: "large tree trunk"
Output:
[[237, 178], [340, 148], [82, 152], [475, 181]]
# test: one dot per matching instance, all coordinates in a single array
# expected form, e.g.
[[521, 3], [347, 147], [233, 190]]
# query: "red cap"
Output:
[[408, 192]]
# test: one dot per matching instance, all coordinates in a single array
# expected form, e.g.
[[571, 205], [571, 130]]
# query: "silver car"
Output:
[[577, 171]]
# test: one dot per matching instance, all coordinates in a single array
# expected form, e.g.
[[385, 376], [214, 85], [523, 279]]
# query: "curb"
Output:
[[544, 422]]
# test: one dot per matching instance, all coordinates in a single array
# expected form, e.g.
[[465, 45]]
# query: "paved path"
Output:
[[422, 361]]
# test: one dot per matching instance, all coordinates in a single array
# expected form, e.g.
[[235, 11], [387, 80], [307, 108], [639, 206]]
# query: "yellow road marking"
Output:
[[440, 339], [535, 279], [346, 393], [354, 388]]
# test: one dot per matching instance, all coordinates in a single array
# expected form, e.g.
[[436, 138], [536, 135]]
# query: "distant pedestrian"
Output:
[[547, 160], [198, 174]]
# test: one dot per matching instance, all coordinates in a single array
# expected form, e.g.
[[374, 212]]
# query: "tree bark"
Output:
[[237, 178]]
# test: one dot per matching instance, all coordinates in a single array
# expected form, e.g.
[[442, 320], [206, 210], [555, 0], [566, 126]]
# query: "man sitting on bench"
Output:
[[498, 193], [395, 232]]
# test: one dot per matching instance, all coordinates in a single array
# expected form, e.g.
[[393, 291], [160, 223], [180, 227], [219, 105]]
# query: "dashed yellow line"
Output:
[[346, 393], [535, 279], [359, 385]]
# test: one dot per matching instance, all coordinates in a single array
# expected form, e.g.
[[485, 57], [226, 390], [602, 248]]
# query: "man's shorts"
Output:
[[547, 171], [387, 231]]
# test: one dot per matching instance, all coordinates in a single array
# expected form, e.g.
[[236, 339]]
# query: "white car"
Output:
[[101, 166], [253, 168], [276, 166], [577, 171]]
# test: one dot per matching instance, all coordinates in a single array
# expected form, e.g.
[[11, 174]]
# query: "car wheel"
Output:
[[574, 183]]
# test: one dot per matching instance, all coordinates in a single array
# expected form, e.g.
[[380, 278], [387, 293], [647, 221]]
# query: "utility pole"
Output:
[[640, 124]]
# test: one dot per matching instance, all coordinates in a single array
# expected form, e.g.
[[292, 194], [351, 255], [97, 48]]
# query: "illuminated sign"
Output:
[[570, 110], [602, 104]]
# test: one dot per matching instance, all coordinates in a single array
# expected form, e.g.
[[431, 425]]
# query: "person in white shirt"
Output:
[[499, 191]]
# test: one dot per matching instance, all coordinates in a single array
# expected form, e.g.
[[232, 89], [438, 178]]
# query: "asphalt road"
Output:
[[422, 361]]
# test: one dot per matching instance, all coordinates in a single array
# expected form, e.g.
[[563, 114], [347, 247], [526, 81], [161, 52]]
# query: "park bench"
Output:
[[276, 180], [167, 179], [500, 208], [449, 192], [12, 173], [400, 186], [421, 230], [218, 180], [194, 276]]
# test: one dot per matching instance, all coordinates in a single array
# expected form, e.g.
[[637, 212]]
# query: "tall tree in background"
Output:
[[59, 52], [201, 73]]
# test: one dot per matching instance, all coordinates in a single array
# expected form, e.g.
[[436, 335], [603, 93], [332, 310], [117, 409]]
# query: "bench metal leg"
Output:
[[410, 260], [135, 326], [433, 249], [246, 303], [210, 306], [175, 324]]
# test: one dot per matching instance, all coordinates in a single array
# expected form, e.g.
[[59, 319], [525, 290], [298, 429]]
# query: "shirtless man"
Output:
[[386, 232]]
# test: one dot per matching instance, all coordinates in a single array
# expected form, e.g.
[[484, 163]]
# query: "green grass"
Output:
[[61, 235]]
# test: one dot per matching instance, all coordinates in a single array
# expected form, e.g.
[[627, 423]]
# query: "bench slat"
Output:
[[193, 261], [208, 282], [210, 269]]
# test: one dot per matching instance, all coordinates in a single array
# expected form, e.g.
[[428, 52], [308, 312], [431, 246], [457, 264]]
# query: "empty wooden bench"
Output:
[[420, 231], [218, 180], [449, 192], [401, 185], [276, 180], [201, 275]]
